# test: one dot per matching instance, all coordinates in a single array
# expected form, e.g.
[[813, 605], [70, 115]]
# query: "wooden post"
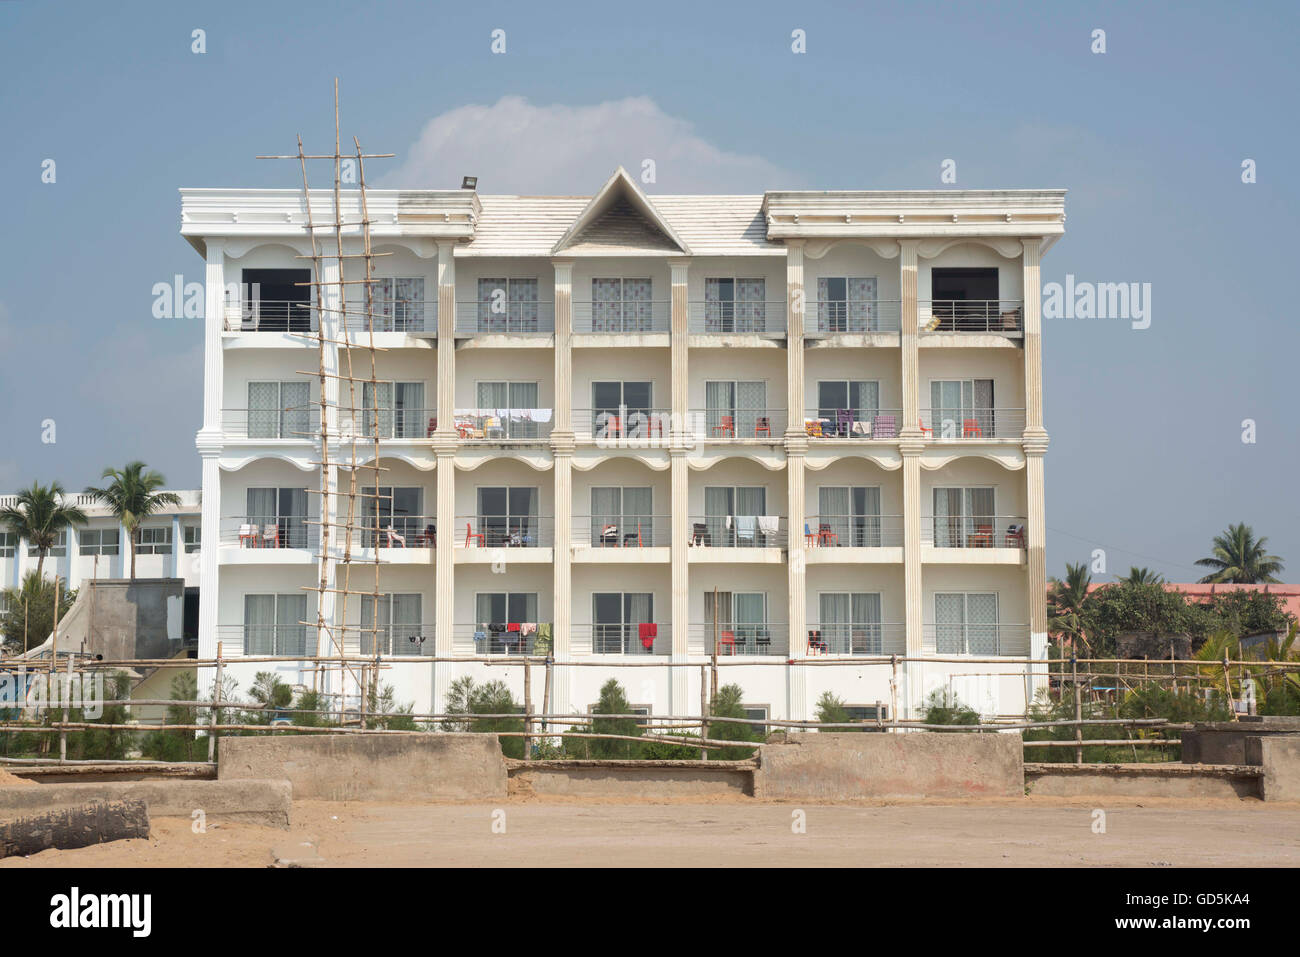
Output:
[[715, 647], [1227, 684], [216, 710], [546, 694], [528, 708], [1078, 709], [893, 688], [54, 652], [704, 700]]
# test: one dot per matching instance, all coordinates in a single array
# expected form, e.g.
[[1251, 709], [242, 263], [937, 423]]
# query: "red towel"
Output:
[[513, 626], [647, 632]]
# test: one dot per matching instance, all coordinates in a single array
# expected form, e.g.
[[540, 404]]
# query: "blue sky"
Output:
[[1146, 461]]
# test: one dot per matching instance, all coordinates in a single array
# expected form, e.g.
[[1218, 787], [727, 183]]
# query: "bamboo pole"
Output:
[[528, 710], [1078, 711], [215, 717]]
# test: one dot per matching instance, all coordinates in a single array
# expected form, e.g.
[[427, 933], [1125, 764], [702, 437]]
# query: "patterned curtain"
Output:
[[523, 305], [637, 305], [750, 305], [982, 624], [823, 303], [381, 292], [606, 303], [949, 624], [493, 307], [384, 408], [714, 319], [263, 410], [295, 414], [408, 311], [862, 304], [751, 405]]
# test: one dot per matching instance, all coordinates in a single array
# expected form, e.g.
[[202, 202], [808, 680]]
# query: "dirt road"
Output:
[[1031, 832]]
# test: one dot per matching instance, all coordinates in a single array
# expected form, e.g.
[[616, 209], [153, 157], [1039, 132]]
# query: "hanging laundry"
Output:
[[527, 628]]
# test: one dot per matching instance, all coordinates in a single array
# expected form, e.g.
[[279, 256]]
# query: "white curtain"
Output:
[[377, 405], [259, 624]]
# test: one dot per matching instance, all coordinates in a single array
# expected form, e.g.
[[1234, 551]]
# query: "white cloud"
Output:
[[514, 146]]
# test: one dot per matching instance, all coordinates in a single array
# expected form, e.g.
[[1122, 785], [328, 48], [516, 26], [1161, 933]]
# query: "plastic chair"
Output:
[[394, 539], [271, 536], [248, 536], [982, 537], [971, 427], [472, 536], [762, 424], [810, 538], [924, 431], [609, 535], [727, 426], [826, 535], [432, 428], [727, 643]]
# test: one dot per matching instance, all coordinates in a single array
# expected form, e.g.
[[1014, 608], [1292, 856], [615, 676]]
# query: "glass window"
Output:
[[98, 541], [193, 538], [58, 550], [156, 540]]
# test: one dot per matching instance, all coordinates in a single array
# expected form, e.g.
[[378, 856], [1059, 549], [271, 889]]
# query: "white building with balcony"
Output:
[[802, 429]]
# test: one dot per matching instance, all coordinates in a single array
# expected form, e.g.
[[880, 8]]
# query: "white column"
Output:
[[562, 448], [446, 339], [796, 448], [209, 443], [444, 447], [1035, 446], [680, 529]]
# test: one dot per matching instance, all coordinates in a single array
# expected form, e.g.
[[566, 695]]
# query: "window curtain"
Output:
[[864, 400], [866, 638], [719, 401], [259, 624], [294, 412], [834, 509], [751, 405], [724, 617], [374, 628], [263, 410], [750, 501], [290, 635], [982, 624], [377, 405], [293, 517], [493, 304], [408, 311], [606, 509], [979, 513], [606, 305], [835, 622], [492, 395], [406, 621], [262, 505], [638, 518], [750, 305], [638, 608], [718, 305], [949, 624], [408, 410], [948, 518], [381, 306], [523, 305], [523, 395], [638, 305], [719, 505], [826, 310], [867, 530], [862, 304]]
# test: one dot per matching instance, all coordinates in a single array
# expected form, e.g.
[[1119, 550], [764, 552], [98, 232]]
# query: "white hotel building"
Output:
[[597, 412]]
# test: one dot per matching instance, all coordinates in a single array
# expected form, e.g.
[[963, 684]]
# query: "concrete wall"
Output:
[[1278, 756], [1141, 780], [849, 766], [129, 619], [632, 780], [263, 802], [394, 767]]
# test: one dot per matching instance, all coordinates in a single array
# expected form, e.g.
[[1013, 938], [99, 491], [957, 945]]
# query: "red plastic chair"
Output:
[[762, 424], [727, 643], [924, 430], [827, 536], [727, 426], [433, 427], [471, 536], [971, 427]]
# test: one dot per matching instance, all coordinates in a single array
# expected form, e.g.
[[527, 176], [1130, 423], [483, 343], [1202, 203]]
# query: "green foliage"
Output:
[[613, 700], [132, 496], [391, 716], [830, 710], [167, 744], [1238, 556], [38, 515], [1065, 604], [728, 703], [31, 605], [1124, 606], [944, 707], [109, 744], [269, 690], [466, 698]]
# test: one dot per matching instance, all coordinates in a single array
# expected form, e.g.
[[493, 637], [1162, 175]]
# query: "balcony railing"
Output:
[[393, 315], [738, 531], [968, 638], [971, 315], [509, 319], [392, 640], [736, 423], [622, 531], [505, 531], [278, 640], [736, 318], [857, 638], [388, 423], [621, 317], [862, 424], [622, 424], [831, 316], [503, 425], [972, 423], [742, 638], [621, 639], [299, 423], [973, 531], [269, 531], [853, 531], [271, 315], [394, 531], [504, 638]]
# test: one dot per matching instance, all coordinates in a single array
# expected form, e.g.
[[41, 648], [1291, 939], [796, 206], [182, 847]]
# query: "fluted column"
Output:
[[679, 440], [563, 414], [444, 559], [446, 341], [907, 273], [914, 603], [1035, 446], [796, 448], [209, 442]]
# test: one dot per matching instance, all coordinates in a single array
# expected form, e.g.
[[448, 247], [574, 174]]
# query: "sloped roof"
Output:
[[620, 218]]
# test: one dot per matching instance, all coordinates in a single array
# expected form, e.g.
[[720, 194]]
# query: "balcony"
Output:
[[297, 423], [725, 425], [972, 423], [504, 638], [505, 319], [853, 531], [506, 531], [635, 317], [270, 532], [989, 316], [523, 426], [852, 424], [295, 639], [857, 638], [387, 423], [836, 316], [271, 315], [391, 531], [738, 531], [622, 531], [736, 318], [742, 638], [974, 531], [411, 316], [622, 638], [622, 426], [969, 638]]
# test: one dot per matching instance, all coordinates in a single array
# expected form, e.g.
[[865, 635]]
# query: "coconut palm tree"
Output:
[[1239, 557], [39, 515], [132, 496], [1142, 576], [1065, 603]]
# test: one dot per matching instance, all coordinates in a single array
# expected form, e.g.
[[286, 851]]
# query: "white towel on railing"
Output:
[[745, 526], [768, 524]]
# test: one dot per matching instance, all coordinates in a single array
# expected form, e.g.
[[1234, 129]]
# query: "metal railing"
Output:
[[392, 315], [853, 531], [974, 531], [504, 531], [413, 640], [742, 638], [623, 423], [503, 425], [966, 638], [971, 315], [621, 639], [295, 640], [497, 638], [831, 316], [510, 319], [866, 423], [737, 531], [736, 318], [736, 423], [299, 423], [622, 531], [269, 531], [271, 315], [857, 638], [972, 423], [388, 423], [395, 531], [624, 316]]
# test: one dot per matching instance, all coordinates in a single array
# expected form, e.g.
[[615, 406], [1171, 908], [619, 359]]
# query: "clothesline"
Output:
[[514, 415]]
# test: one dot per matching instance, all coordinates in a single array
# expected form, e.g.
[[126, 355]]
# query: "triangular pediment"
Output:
[[621, 219]]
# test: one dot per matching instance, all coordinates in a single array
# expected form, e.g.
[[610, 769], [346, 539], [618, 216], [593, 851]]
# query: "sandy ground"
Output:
[[1029, 832]]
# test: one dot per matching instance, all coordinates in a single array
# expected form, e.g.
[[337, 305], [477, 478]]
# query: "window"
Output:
[[757, 712], [58, 550], [508, 305], [736, 410], [965, 517], [398, 621], [155, 540], [496, 611], [621, 305], [509, 409], [961, 408], [743, 627], [508, 515], [98, 541], [735, 305], [616, 617], [731, 517], [847, 304], [8, 544], [193, 538], [621, 408], [280, 515], [622, 516], [848, 516], [964, 298], [274, 624], [966, 623], [277, 300], [850, 623], [867, 712], [279, 410], [397, 305], [842, 402], [400, 511], [396, 408]]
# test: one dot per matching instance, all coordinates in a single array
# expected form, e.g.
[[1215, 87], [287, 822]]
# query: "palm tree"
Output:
[[132, 496], [1065, 603], [1142, 576], [39, 515], [1239, 557]]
